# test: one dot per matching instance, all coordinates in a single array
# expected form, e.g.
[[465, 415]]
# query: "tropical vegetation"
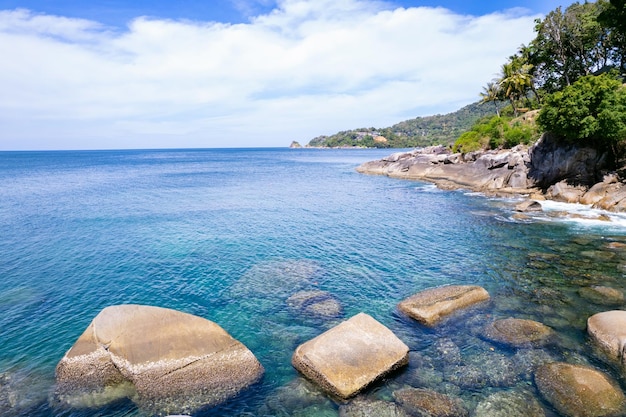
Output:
[[573, 70]]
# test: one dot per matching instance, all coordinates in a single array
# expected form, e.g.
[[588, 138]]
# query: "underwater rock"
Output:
[[509, 404], [518, 332], [316, 304], [485, 369], [164, 360], [601, 295], [579, 391], [293, 398], [607, 331], [428, 403], [275, 279], [526, 361], [369, 408], [432, 305], [350, 356]]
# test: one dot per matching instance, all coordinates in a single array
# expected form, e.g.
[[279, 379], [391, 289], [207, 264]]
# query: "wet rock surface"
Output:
[[432, 305], [164, 360], [427, 403], [579, 391], [567, 173], [350, 356], [518, 332], [602, 295], [607, 331]]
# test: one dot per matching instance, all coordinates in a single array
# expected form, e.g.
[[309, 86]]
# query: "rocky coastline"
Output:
[[545, 170]]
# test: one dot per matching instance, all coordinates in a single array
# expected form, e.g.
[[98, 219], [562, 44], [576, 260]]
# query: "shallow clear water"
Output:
[[229, 235]]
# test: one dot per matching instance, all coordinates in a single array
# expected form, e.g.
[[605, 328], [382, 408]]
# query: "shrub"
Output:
[[590, 112]]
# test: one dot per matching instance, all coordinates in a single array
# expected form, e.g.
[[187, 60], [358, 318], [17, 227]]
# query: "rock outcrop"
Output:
[[350, 356], [561, 172], [164, 360], [607, 331], [430, 306], [579, 391]]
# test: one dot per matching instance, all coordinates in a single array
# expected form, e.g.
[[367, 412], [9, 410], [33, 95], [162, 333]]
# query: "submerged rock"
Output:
[[315, 304], [428, 403], [509, 404], [607, 331], [518, 332], [350, 356], [164, 360], [598, 294], [432, 305], [368, 408], [579, 391]]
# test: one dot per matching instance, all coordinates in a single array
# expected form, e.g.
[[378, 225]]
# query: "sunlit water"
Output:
[[229, 235]]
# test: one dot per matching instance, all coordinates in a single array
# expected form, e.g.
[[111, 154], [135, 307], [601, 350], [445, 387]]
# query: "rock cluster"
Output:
[[560, 172], [171, 362]]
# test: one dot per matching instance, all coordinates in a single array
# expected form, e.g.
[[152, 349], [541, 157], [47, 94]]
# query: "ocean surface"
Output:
[[230, 234]]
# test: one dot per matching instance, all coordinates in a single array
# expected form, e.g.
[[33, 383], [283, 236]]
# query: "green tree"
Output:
[[613, 18], [516, 80], [570, 44], [491, 93], [590, 112]]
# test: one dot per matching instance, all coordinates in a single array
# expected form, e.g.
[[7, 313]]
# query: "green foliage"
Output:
[[421, 131], [495, 132], [469, 141], [571, 44], [590, 112]]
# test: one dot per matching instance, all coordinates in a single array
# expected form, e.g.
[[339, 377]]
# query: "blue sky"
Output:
[[158, 74]]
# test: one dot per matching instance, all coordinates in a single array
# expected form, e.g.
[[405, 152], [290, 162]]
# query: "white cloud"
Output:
[[306, 68]]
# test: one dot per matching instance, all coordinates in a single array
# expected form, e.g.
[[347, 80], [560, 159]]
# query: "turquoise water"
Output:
[[230, 234]]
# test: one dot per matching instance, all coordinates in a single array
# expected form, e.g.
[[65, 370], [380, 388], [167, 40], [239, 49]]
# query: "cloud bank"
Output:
[[309, 67]]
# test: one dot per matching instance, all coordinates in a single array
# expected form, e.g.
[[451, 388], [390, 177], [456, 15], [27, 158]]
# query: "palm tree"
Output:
[[516, 81], [491, 92]]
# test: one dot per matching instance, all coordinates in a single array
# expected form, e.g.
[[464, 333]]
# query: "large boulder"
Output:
[[518, 332], [164, 360], [579, 391], [350, 356], [432, 305], [607, 331]]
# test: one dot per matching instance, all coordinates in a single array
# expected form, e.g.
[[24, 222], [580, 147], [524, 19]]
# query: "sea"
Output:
[[230, 234]]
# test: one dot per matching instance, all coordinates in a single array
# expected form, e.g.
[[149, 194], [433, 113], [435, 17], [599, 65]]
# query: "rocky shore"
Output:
[[546, 170]]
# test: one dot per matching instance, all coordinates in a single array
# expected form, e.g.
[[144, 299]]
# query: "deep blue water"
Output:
[[230, 234]]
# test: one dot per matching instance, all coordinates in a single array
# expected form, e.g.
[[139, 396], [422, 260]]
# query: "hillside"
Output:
[[421, 131]]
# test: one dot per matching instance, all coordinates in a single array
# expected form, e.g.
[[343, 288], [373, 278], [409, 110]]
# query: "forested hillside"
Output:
[[421, 131]]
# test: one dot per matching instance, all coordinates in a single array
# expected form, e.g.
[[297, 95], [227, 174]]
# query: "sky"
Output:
[[137, 74]]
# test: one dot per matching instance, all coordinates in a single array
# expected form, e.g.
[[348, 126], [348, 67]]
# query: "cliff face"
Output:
[[563, 173]]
